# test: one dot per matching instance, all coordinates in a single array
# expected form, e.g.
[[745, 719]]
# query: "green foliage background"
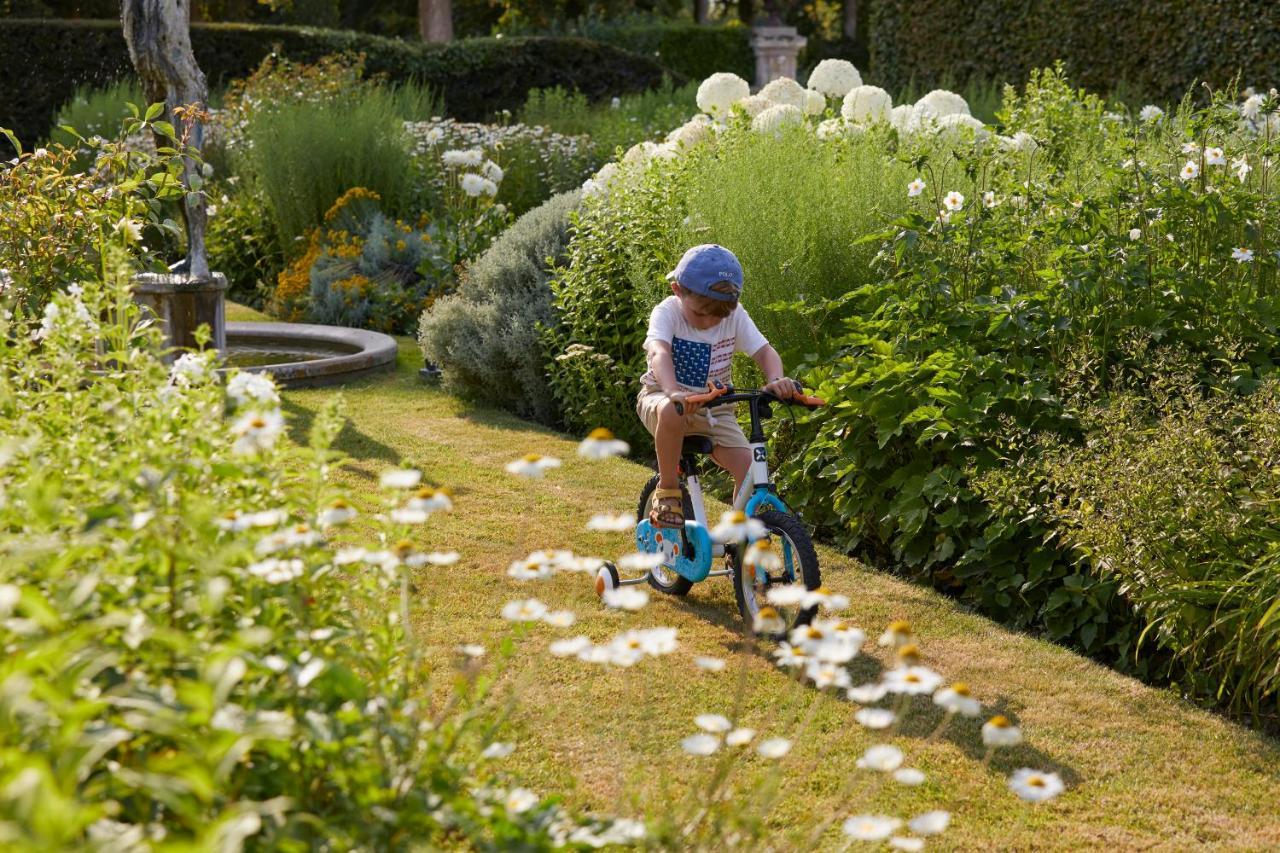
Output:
[[1160, 49]]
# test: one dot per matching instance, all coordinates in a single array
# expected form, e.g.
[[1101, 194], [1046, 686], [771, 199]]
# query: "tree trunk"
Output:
[[435, 20], [851, 19], [701, 12], [158, 34]]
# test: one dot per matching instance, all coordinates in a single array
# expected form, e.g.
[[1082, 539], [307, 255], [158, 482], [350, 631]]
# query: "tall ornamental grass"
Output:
[[619, 123]]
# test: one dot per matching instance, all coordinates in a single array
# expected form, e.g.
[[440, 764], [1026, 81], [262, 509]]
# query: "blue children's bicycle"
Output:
[[688, 554]]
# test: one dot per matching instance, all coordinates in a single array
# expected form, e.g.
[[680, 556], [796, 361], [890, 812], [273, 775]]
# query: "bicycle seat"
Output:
[[695, 445]]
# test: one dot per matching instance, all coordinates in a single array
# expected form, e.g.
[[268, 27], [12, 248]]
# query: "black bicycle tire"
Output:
[[806, 555]]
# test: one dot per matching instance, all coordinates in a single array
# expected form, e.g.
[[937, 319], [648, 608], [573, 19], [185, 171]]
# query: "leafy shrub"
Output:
[[636, 117], [59, 223], [477, 77], [694, 50], [1161, 50], [241, 242], [96, 111], [1173, 496], [486, 336], [364, 269]]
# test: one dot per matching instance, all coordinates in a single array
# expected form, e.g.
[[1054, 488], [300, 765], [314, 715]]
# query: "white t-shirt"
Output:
[[701, 355]]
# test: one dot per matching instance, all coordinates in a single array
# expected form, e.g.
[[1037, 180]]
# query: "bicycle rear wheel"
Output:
[[799, 564]]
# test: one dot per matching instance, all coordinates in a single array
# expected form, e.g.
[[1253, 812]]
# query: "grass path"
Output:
[[1144, 769]]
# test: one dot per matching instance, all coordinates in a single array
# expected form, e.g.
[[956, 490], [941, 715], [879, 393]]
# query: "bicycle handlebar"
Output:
[[723, 395]]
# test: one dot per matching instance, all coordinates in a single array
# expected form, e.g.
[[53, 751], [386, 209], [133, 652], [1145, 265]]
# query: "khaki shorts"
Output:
[[721, 426]]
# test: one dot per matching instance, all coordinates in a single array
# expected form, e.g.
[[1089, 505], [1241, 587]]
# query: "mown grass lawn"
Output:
[[1144, 769]]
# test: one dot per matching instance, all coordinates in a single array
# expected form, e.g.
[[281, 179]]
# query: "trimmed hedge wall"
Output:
[[693, 50], [1157, 49], [477, 77]]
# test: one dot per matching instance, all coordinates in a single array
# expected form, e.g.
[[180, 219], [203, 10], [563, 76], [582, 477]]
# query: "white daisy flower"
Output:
[[560, 619], [774, 747], [252, 387], [470, 158], [532, 465], [882, 757], [956, 699], [408, 515], [1215, 157], [740, 737], [953, 201], [612, 523], [714, 723], [498, 749], [1189, 170], [768, 621], [640, 561], [441, 558], [787, 655], [902, 842], [930, 823], [338, 512], [257, 431], [275, 571], [875, 718], [1242, 255], [762, 555], [915, 188], [400, 478], [868, 827], [784, 595], [702, 744], [912, 680], [492, 171], [709, 664], [908, 776], [527, 610], [998, 731], [520, 801], [471, 650], [735, 526], [601, 444], [472, 184], [347, 556], [1035, 786], [428, 499], [1150, 113], [626, 598], [571, 647]]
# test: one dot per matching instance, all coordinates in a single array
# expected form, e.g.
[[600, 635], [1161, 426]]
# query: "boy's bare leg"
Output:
[[735, 460], [668, 438]]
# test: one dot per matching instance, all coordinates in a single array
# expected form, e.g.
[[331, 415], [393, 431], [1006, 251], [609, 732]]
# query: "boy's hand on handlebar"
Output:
[[684, 406], [784, 388]]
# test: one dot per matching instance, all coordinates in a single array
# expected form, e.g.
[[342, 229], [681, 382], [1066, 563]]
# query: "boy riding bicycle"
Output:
[[692, 337]]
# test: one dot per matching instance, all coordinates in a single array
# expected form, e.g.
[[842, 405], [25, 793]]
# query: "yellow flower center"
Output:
[[737, 517], [257, 423], [1035, 781], [426, 492], [960, 688], [813, 634], [768, 613], [600, 434], [912, 678], [404, 546], [909, 652], [823, 590], [231, 514], [898, 626], [999, 721], [302, 528], [338, 503], [532, 457]]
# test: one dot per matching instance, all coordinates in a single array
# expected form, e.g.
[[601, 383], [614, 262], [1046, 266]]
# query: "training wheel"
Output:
[[607, 578]]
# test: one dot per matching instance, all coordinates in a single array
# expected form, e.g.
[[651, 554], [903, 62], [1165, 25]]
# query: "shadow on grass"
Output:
[[920, 716]]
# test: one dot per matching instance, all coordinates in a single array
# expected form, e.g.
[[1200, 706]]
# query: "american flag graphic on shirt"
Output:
[[696, 363]]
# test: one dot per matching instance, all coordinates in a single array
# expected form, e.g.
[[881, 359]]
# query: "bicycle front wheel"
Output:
[[663, 578], [799, 565]]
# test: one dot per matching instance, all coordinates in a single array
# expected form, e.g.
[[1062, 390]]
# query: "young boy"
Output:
[[692, 337]]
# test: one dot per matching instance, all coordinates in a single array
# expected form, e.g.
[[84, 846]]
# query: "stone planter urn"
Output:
[[776, 49], [183, 304]]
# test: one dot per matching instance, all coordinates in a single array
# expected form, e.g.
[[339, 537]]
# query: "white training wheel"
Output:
[[607, 578]]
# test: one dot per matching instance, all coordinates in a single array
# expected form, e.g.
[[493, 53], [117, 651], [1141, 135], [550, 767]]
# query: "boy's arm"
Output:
[[776, 381]]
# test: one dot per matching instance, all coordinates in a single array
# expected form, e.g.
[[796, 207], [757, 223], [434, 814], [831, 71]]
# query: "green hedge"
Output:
[[1158, 50], [477, 77], [694, 50]]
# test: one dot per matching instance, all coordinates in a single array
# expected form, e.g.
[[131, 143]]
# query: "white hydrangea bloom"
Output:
[[937, 104], [691, 132], [640, 153], [777, 117], [719, 92], [832, 128], [954, 125], [835, 77], [753, 105], [816, 102], [1021, 141], [867, 104], [900, 117], [784, 90]]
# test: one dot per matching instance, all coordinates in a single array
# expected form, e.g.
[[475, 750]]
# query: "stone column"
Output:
[[184, 304], [776, 49]]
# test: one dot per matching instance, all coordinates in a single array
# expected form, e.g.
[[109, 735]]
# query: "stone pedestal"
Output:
[[776, 49], [183, 305]]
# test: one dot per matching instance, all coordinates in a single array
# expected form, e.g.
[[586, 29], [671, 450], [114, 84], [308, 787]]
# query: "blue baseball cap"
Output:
[[705, 265]]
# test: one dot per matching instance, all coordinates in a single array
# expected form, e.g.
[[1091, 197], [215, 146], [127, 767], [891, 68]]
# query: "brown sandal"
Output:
[[667, 508]]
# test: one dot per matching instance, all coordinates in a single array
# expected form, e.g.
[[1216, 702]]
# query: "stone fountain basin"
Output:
[[322, 355]]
